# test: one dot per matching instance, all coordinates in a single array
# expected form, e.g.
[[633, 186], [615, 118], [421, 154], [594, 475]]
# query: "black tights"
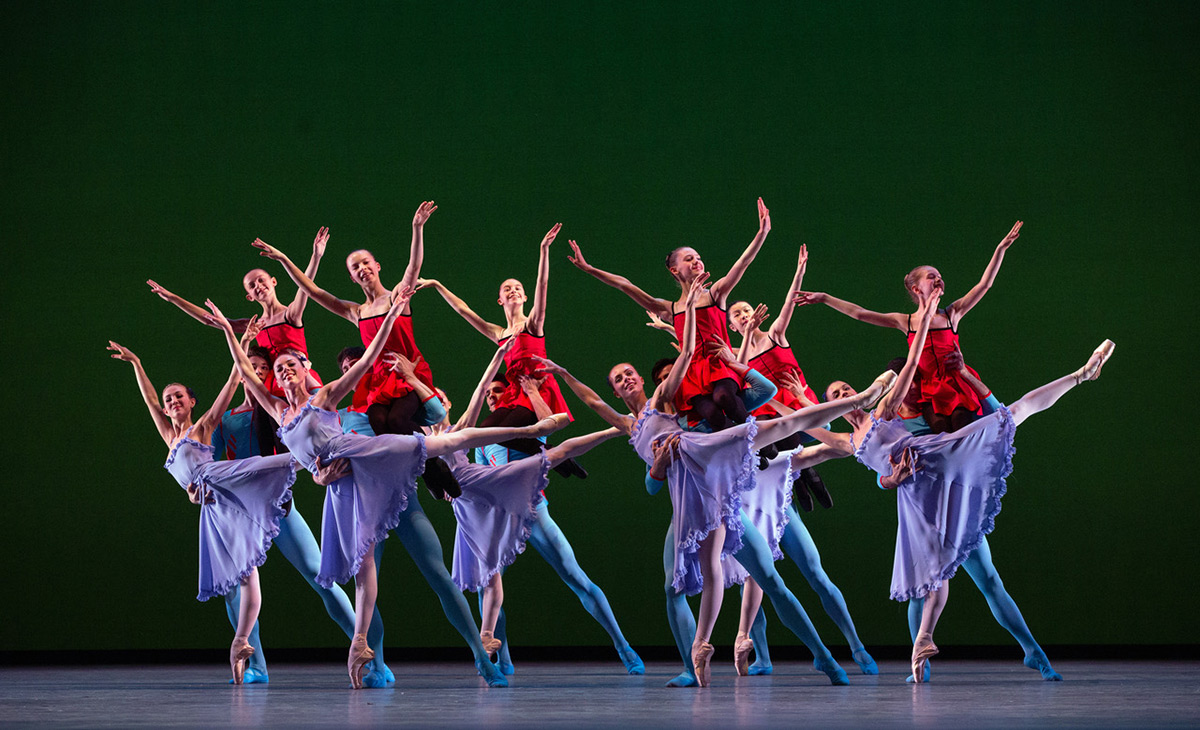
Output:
[[938, 423], [267, 432], [515, 416], [396, 416], [724, 408]]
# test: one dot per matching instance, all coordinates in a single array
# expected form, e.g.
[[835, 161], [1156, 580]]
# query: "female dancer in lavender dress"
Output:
[[241, 502], [706, 482], [359, 510], [949, 485]]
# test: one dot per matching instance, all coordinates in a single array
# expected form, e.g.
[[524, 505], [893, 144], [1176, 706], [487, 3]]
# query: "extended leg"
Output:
[[798, 545], [256, 667], [421, 542], [820, 414], [469, 438], [552, 545], [679, 616], [755, 556], [1042, 398]]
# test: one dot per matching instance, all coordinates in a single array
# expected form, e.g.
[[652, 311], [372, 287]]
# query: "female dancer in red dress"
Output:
[[710, 390], [529, 336], [949, 402]]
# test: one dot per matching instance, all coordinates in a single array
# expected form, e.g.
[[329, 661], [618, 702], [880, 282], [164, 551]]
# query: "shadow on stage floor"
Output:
[[972, 694]]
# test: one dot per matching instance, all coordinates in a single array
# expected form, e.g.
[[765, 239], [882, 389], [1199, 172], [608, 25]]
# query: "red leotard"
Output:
[[384, 385], [518, 361], [279, 337], [944, 390], [772, 363], [703, 370]]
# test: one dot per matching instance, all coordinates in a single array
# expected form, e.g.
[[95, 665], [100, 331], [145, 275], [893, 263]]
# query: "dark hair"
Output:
[[353, 352], [259, 351], [658, 367], [499, 379], [191, 393], [897, 364], [290, 351]]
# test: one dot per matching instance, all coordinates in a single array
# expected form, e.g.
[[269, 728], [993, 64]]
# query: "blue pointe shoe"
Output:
[[491, 674], [685, 679], [253, 675], [1037, 660], [837, 675], [865, 662], [928, 673], [631, 660]]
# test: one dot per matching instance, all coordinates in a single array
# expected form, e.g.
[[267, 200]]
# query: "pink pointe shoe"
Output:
[[356, 664], [702, 661], [742, 646], [1091, 371], [240, 652]]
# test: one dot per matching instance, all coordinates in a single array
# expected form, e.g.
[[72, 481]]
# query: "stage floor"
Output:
[[972, 694]]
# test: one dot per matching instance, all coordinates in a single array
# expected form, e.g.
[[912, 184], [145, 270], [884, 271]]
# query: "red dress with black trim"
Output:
[[279, 337], [519, 361], [703, 370], [944, 390], [772, 363], [384, 385]]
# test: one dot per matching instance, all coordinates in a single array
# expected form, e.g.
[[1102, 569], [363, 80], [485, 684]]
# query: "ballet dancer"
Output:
[[709, 390], [528, 332], [948, 402], [241, 502], [949, 485], [706, 482], [393, 406], [359, 510]]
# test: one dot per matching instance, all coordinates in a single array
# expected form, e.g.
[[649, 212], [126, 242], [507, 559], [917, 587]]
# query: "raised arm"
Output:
[[416, 251], [961, 306], [333, 392], [537, 313], [778, 331], [485, 328], [250, 381], [666, 391], [194, 311], [891, 402], [471, 415], [653, 305], [149, 395], [587, 395], [340, 307], [295, 313], [758, 317], [212, 417], [894, 320], [724, 285]]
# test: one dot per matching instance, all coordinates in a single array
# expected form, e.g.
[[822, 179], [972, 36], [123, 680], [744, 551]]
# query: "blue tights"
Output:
[[798, 545], [552, 545], [983, 572], [296, 542]]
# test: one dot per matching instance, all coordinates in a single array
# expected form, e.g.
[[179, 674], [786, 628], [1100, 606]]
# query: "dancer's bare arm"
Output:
[[407, 370], [723, 286], [810, 456], [537, 312], [332, 393], [416, 251], [959, 308], [475, 405], [891, 402], [531, 388], [250, 381], [146, 388], [491, 331], [658, 307], [894, 320], [757, 318], [295, 313], [196, 312], [340, 307], [207, 423], [587, 395], [778, 331], [667, 389]]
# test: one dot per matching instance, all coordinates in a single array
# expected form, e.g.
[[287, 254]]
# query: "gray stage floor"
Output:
[[964, 694]]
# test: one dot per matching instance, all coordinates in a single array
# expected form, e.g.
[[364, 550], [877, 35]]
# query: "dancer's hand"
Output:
[[551, 235], [424, 210], [159, 290], [577, 259], [697, 288], [901, 470], [253, 327], [332, 471], [122, 352], [657, 323], [802, 261], [401, 365], [425, 284], [764, 218], [953, 361], [266, 249], [320, 241], [217, 319], [1012, 236], [193, 493], [530, 385], [548, 366], [927, 304], [801, 298], [757, 318], [665, 452], [791, 381], [719, 350], [400, 296]]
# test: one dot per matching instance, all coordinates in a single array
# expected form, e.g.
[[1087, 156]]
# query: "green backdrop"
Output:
[[157, 140]]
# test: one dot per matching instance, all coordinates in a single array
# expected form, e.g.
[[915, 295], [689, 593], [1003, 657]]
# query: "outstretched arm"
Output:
[[340, 307], [332, 393], [149, 395], [891, 402], [485, 328], [724, 285], [195, 312], [587, 395], [666, 391], [659, 307], [471, 415], [295, 312], [537, 313], [250, 381], [894, 320], [416, 251], [778, 331], [958, 309], [758, 317], [212, 417], [810, 456]]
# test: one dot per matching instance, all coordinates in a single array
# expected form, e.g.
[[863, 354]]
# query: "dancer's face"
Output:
[[290, 369], [664, 373], [739, 316], [261, 367], [259, 286], [493, 394], [363, 267], [625, 380], [687, 264], [176, 401], [511, 292], [347, 363], [928, 279], [838, 390]]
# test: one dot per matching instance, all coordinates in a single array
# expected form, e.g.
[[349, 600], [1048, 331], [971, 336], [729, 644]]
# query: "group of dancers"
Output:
[[734, 437]]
